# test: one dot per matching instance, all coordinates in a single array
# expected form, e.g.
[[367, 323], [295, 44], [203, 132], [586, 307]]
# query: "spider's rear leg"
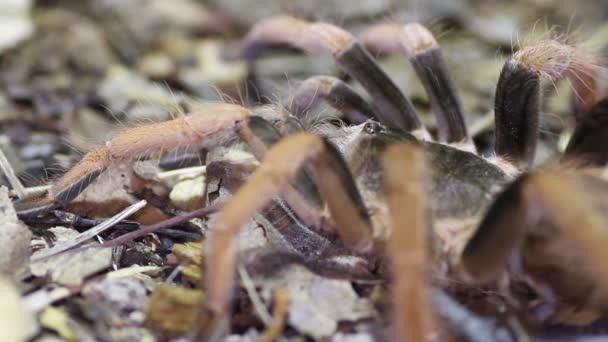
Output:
[[280, 166], [336, 93], [393, 108], [421, 48], [587, 146], [555, 224], [405, 189]]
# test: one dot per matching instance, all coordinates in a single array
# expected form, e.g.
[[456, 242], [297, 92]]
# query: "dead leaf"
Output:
[[317, 304], [174, 308], [58, 320], [14, 238], [190, 257], [73, 266], [16, 323], [16, 23], [189, 194]]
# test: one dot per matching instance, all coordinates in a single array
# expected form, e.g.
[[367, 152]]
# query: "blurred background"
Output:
[[73, 73]]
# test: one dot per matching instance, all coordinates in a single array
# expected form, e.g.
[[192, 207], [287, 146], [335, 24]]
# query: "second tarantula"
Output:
[[371, 177]]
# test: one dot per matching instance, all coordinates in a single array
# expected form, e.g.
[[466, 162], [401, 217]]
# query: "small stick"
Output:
[[9, 172], [30, 192], [258, 306], [89, 234], [466, 323], [279, 312], [80, 223], [179, 219]]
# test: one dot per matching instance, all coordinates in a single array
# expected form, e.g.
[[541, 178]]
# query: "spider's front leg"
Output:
[[280, 165], [393, 108], [336, 93], [424, 53]]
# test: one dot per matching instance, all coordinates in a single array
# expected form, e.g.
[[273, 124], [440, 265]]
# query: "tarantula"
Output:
[[371, 177]]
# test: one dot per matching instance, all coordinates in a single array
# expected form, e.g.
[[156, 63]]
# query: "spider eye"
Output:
[[373, 128]]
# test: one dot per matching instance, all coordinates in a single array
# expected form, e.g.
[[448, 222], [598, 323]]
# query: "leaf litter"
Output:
[[90, 69]]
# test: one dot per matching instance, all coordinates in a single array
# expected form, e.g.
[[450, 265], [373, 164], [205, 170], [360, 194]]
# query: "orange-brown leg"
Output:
[[211, 126], [405, 176], [557, 209], [208, 127], [272, 178], [587, 146]]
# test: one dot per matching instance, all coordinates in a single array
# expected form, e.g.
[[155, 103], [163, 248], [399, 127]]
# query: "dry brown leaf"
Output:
[[174, 308], [190, 257], [317, 304], [58, 320]]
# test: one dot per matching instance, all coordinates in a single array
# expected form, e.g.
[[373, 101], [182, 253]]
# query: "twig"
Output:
[[279, 312], [162, 225], [84, 236], [258, 306], [6, 167], [193, 170], [469, 325], [80, 223], [31, 191], [40, 299]]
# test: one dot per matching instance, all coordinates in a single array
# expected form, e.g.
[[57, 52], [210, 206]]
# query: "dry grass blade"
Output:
[[11, 176], [279, 314], [258, 305], [30, 192], [89, 234]]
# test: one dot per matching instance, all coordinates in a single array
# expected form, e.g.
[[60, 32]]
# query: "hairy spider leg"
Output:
[[280, 165], [405, 189], [424, 54], [393, 108], [337, 93]]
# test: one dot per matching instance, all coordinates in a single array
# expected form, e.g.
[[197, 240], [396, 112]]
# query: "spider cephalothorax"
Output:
[[381, 181]]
